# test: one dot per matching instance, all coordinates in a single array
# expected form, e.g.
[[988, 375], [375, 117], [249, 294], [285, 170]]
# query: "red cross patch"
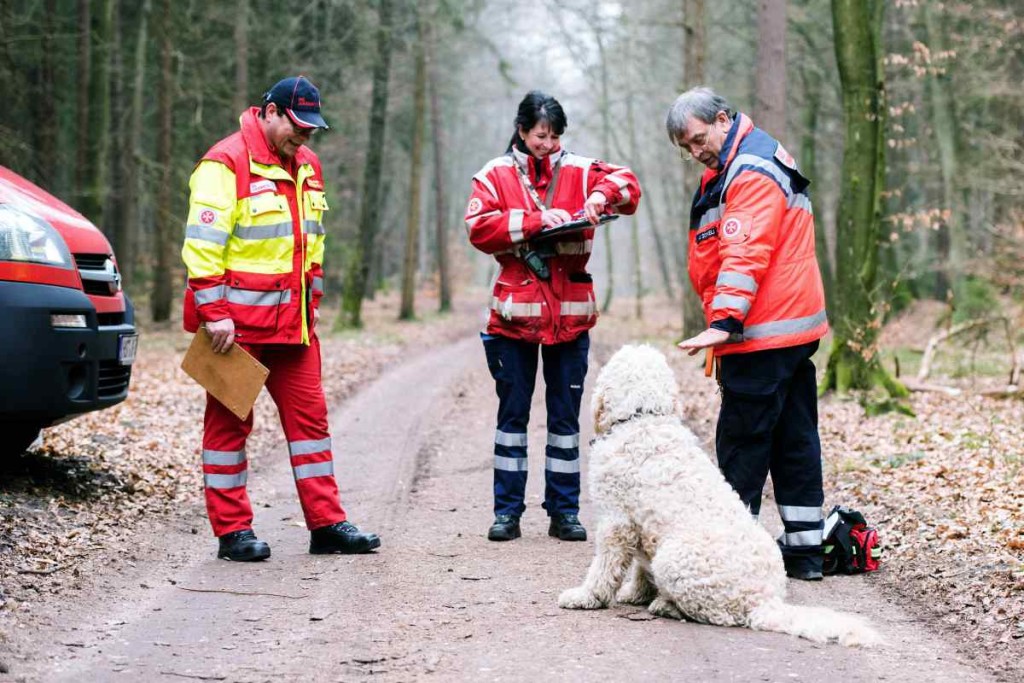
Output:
[[474, 206], [207, 216]]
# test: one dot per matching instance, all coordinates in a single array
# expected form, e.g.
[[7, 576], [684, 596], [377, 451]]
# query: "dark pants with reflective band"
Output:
[[513, 364], [769, 423], [294, 384]]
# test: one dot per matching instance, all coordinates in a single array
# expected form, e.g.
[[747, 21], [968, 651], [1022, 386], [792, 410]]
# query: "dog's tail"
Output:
[[819, 624]]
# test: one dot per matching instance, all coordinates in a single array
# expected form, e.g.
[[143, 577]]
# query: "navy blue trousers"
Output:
[[769, 424], [513, 364]]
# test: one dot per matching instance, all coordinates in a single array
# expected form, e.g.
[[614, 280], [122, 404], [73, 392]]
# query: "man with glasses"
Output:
[[752, 262], [254, 246]]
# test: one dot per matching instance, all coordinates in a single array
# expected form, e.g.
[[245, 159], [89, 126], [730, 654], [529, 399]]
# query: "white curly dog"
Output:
[[674, 525]]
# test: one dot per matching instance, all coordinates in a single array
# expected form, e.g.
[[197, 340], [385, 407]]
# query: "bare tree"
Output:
[[440, 197], [165, 233], [407, 310], [241, 20], [770, 88], [369, 214]]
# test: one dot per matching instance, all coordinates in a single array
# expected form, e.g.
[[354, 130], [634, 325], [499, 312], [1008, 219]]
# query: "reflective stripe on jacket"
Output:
[[502, 218], [752, 256], [254, 239]]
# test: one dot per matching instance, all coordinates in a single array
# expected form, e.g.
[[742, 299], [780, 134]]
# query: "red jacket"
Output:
[[502, 217], [752, 258], [254, 240]]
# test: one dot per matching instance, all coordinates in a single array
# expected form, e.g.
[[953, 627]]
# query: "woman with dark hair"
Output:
[[543, 301]]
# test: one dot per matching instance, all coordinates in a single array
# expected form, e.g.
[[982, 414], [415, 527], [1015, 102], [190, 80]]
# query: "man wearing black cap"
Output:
[[254, 246]]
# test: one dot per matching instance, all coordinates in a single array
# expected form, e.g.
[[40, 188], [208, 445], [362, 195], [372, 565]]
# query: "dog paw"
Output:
[[635, 594], [660, 607], [578, 598]]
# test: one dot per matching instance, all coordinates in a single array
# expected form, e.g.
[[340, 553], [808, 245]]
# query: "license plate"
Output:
[[127, 345]]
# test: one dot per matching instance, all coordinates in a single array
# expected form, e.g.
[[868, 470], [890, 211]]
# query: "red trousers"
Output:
[[294, 384]]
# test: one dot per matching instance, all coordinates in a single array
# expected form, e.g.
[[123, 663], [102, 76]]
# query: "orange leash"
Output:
[[709, 360]]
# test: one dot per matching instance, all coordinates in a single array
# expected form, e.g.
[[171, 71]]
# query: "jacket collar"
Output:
[[527, 161]]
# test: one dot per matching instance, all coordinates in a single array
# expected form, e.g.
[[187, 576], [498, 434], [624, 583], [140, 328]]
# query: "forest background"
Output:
[[109, 104], [908, 116]]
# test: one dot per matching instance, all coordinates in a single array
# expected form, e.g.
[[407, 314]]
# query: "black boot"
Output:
[[343, 537], [505, 528], [242, 546], [567, 527]]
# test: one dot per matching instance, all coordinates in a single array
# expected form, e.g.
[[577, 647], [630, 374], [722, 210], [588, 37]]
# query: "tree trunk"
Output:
[[606, 136], [770, 87], [440, 196], [95, 198], [694, 50], [133, 146], [113, 210], [369, 215], [47, 123], [82, 183], [952, 235], [853, 361], [165, 242], [241, 19], [812, 85], [412, 224]]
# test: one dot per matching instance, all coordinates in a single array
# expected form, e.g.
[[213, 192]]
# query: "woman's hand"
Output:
[[554, 217], [594, 207]]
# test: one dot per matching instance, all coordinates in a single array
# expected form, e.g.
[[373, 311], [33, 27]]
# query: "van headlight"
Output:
[[24, 237]]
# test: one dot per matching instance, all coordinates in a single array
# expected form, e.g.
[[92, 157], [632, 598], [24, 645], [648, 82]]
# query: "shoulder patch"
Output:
[[784, 157], [474, 206], [736, 228]]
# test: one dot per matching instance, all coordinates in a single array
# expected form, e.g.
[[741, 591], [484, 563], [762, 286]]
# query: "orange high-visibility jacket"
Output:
[[254, 240], [502, 217], [752, 258]]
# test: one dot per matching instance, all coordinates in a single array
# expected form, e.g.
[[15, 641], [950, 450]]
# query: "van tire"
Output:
[[17, 437]]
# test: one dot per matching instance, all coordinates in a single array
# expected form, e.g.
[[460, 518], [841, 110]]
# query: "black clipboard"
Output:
[[572, 226]]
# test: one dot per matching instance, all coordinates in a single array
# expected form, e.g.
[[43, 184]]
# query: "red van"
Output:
[[67, 331]]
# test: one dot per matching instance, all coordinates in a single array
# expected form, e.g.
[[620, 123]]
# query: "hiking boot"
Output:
[[343, 537], [242, 546], [804, 575], [567, 527], [505, 528]]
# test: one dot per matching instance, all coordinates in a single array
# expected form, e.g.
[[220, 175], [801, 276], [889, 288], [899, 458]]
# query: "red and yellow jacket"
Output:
[[502, 217], [254, 240], [752, 258]]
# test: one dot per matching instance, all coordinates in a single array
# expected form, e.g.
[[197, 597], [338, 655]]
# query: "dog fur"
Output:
[[673, 534]]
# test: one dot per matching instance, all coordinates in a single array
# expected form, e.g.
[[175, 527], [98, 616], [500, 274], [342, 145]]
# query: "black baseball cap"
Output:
[[300, 99]]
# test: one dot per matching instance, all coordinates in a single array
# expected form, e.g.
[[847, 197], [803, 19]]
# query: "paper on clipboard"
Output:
[[233, 378], [573, 226]]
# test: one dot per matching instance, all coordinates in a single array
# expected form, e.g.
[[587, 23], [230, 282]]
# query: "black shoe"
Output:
[[242, 546], [567, 527], [505, 528], [804, 575], [343, 537]]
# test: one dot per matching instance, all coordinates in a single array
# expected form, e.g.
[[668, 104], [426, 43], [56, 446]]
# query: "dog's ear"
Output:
[[598, 405]]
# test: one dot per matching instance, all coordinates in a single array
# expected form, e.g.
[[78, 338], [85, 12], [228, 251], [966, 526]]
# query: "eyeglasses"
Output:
[[299, 130]]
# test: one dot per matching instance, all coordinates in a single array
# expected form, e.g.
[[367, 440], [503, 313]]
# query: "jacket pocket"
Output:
[[518, 307], [578, 308], [255, 300]]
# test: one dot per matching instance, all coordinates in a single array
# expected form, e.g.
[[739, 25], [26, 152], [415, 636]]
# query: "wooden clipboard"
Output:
[[233, 378]]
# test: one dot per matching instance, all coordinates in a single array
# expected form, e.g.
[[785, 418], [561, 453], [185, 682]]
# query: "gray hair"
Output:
[[701, 102]]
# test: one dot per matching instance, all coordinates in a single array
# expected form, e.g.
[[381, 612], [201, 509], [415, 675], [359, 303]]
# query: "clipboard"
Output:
[[573, 226], [233, 378]]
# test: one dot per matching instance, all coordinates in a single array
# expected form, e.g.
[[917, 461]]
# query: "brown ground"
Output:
[[107, 563]]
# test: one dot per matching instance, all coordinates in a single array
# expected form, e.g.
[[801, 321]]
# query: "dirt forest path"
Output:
[[438, 602]]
